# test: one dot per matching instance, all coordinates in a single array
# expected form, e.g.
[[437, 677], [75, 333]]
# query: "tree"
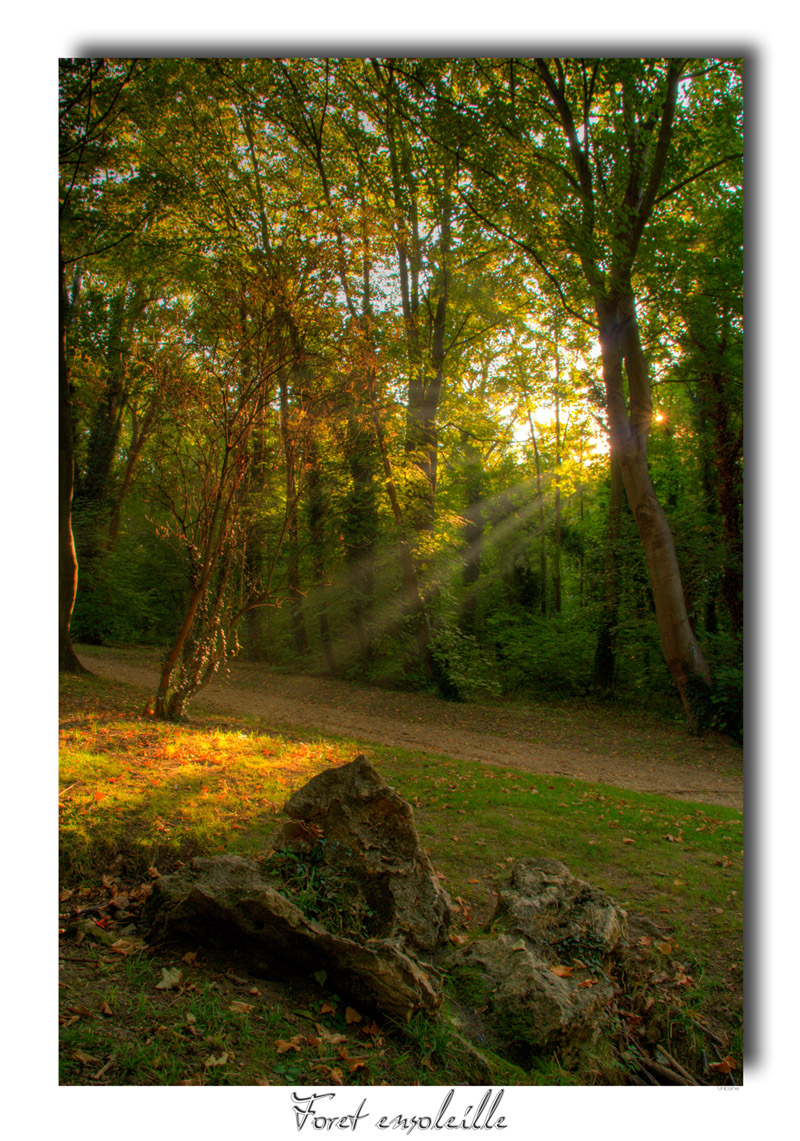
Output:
[[600, 135]]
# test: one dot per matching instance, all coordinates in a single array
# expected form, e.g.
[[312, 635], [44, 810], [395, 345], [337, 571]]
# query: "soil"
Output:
[[626, 747]]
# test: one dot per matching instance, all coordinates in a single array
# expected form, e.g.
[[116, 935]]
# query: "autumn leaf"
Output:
[[170, 977], [628, 840], [665, 948], [327, 1008], [106, 1009], [283, 1045], [331, 1072], [459, 940], [726, 1066], [189, 958], [351, 1015], [587, 983], [562, 972], [237, 1007], [211, 1060], [128, 945]]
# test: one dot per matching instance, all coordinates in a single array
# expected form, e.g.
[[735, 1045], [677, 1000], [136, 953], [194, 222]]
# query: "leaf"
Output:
[[334, 1073], [283, 1045], [628, 840], [459, 940], [211, 1060], [84, 1059], [351, 1015], [726, 1066], [170, 977], [106, 1009], [321, 976], [327, 1008], [665, 948], [237, 1007], [189, 958], [587, 983], [562, 972], [128, 945]]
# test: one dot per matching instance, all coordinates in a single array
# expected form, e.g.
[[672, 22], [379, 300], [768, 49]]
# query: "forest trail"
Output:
[[632, 749]]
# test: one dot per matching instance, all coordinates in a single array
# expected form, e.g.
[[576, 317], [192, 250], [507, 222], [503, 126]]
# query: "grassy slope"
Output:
[[138, 796]]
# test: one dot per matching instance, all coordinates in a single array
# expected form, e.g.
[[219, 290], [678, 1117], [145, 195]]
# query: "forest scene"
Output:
[[401, 468]]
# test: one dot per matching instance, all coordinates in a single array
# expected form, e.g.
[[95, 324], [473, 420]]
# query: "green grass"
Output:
[[138, 796]]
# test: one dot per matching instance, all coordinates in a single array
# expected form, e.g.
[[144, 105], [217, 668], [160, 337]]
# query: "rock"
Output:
[[561, 915], [225, 897], [526, 1008], [367, 833], [549, 919]]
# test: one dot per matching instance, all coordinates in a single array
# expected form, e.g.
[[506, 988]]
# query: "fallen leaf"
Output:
[[240, 1007], [84, 1059], [665, 948], [189, 958], [334, 1073], [211, 1060], [170, 977], [128, 945], [81, 1011], [106, 1009], [327, 1008], [282, 1045], [628, 840], [562, 972], [587, 982], [726, 1066], [459, 940], [351, 1015]]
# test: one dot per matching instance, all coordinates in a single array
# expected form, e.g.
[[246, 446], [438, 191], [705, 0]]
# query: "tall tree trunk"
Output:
[[557, 507], [292, 533], [727, 446], [605, 654], [473, 535], [621, 348], [542, 537], [316, 526], [67, 560]]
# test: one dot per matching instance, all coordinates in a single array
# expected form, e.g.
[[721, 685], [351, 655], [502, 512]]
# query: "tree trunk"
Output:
[[621, 347], [67, 559], [292, 535], [605, 655]]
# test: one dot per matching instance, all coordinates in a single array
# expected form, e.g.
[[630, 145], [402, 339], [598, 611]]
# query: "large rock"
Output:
[[367, 832], [560, 915], [541, 983], [224, 897]]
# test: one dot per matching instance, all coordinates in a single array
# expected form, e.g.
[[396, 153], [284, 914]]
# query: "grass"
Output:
[[138, 797]]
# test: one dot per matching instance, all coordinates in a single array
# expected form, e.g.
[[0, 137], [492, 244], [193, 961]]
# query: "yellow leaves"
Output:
[[283, 1045], [561, 971], [190, 957]]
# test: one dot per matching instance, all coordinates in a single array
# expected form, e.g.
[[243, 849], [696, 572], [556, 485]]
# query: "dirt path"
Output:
[[635, 750]]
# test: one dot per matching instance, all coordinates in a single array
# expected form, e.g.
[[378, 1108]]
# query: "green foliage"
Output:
[[321, 889]]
